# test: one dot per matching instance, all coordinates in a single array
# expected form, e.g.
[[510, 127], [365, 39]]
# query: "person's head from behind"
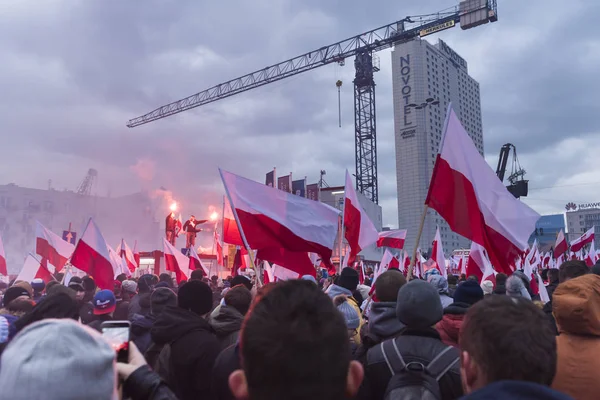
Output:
[[71, 353], [294, 345], [572, 269], [239, 298], [160, 299], [164, 277], [553, 275], [501, 279], [241, 280], [38, 286], [195, 296], [56, 305], [349, 313], [20, 306], [388, 284], [506, 338], [418, 305], [348, 279], [146, 283], [452, 280], [197, 275]]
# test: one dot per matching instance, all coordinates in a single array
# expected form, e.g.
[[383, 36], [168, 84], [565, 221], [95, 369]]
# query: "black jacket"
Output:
[[193, 351], [227, 324], [551, 321], [414, 346], [551, 288], [144, 384], [515, 390], [140, 331], [227, 362], [383, 324], [98, 320]]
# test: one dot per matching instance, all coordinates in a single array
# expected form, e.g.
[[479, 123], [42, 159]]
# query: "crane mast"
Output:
[[469, 13]]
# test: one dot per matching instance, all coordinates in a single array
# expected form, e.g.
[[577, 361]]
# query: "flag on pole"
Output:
[[136, 254], [270, 178], [231, 233], [3, 268], [176, 261], [33, 268], [437, 253], [124, 251], [590, 258], [52, 247], [466, 192], [219, 248], [560, 247], [359, 229], [195, 262], [178, 225], [92, 255], [281, 226], [586, 238], [394, 239], [544, 297], [285, 183], [479, 264]]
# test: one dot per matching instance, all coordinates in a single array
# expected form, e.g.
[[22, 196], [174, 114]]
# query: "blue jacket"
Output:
[[515, 390]]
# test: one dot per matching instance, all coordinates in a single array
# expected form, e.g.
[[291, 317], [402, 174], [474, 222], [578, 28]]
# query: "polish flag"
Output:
[[394, 263], [479, 264], [3, 268], [466, 192], [394, 239], [268, 276], [195, 262], [586, 238], [546, 260], [219, 248], [119, 263], [560, 247], [418, 267], [124, 251], [590, 258], [284, 274], [461, 266], [437, 253], [52, 247], [33, 268], [405, 262], [176, 261], [231, 233], [283, 227], [532, 260], [359, 229], [136, 254], [544, 297], [92, 255], [178, 225]]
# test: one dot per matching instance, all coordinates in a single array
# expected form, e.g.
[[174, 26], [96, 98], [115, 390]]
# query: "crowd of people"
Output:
[[329, 337]]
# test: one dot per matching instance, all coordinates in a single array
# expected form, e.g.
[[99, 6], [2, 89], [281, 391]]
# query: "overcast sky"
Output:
[[73, 72]]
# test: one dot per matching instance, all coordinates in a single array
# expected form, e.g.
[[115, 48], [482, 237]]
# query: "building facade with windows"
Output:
[[422, 71], [546, 231], [582, 219]]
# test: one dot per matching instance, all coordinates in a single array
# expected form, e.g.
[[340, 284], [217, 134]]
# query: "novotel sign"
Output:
[[452, 54], [407, 126]]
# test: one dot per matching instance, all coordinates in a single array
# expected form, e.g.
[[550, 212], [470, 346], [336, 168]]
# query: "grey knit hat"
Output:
[[516, 288], [58, 359], [350, 316], [418, 305], [129, 286]]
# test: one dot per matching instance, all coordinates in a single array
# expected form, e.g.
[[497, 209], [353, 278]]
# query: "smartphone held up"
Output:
[[117, 334]]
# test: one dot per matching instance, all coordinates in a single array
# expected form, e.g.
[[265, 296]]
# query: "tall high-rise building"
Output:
[[426, 73]]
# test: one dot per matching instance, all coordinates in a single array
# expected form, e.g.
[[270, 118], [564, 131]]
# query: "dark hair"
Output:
[[121, 278], [56, 305], [552, 275], [197, 275], [294, 345], [510, 339], [239, 298], [452, 279], [572, 269], [20, 306], [241, 280], [501, 279], [164, 277], [51, 284], [462, 278], [473, 278], [388, 284]]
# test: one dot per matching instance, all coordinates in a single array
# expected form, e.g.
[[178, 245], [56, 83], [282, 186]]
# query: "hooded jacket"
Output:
[[515, 390], [336, 290], [576, 307], [383, 324], [193, 350], [227, 324], [449, 326], [140, 331]]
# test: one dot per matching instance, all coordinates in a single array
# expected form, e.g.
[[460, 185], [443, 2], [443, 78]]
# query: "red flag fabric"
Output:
[[219, 248], [231, 233], [52, 247], [34, 268], [479, 265], [195, 262], [394, 239], [3, 269], [281, 224], [136, 254], [465, 191], [176, 261], [560, 247], [586, 238], [124, 251], [437, 253], [91, 255], [359, 229]]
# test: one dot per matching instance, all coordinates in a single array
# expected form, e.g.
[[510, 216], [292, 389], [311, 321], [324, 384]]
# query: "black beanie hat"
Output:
[[348, 279], [468, 292], [241, 280], [161, 298], [195, 296], [12, 293], [88, 284]]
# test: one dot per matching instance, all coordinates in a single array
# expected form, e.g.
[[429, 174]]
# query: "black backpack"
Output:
[[415, 381]]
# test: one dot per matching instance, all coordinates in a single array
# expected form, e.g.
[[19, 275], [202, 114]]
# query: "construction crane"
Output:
[[85, 187], [519, 186], [469, 13]]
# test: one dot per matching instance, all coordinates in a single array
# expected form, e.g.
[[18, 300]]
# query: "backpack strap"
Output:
[[392, 356], [442, 363]]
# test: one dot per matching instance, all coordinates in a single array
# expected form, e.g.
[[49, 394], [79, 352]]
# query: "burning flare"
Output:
[[173, 207]]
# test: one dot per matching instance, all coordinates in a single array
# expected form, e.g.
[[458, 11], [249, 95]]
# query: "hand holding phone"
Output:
[[117, 335]]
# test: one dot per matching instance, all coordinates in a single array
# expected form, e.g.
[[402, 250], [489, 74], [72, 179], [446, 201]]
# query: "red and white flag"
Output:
[[544, 297], [178, 225], [283, 227], [590, 258], [176, 261], [479, 264], [360, 232], [124, 251], [532, 261], [437, 253], [33, 268], [466, 192], [52, 247], [560, 247], [91, 255], [394, 239], [195, 262], [231, 233], [405, 262], [136, 254], [219, 248], [586, 238], [3, 268]]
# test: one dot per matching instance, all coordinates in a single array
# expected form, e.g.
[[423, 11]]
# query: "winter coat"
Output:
[[140, 331], [422, 346], [383, 324], [193, 350], [500, 289], [98, 320], [449, 326], [122, 311], [335, 290], [227, 362], [515, 390], [143, 384], [576, 306], [551, 288], [227, 324], [86, 312], [551, 321], [135, 306], [446, 300]]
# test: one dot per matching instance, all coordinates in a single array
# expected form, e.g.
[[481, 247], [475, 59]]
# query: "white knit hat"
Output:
[[487, 287]]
